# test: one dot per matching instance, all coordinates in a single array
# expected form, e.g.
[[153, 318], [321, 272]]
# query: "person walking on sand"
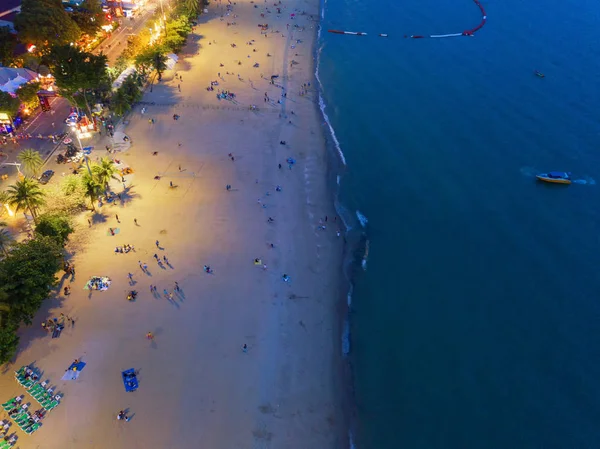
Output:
[[157, 244], [141, 266], [123, 416], [177, 289], [149, 336], [117, 217], [130, 276], [135, 221], [244, 347]]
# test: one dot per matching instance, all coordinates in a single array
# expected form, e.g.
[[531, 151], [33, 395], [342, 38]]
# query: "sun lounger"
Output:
[[50, 405], [32, 428]]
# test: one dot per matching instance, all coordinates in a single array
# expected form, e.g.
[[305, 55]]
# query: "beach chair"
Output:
[[21, 371], [4, 444], [35, 389], [50, 405], [32, 428], [26, 383], [12, 403]]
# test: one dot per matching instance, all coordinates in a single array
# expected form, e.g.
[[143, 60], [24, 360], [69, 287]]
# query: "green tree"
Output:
[[6, 241], [27, 275], [7, 46], [26, 195], [27, 93], [119, 103], [9, 341], [89, 16], [54, 225], [191, 7], [91, 188], [77, 71], [9, 104], [176, 35], [45, 22], [31, 160], [104, 171], [155, 58]]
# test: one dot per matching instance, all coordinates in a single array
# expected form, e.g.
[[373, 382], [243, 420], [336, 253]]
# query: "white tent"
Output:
[[171, 61], [119, 81], [11, 78]]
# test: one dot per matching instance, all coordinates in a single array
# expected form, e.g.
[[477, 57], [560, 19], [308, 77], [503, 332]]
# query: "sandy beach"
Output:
[[197, 387]]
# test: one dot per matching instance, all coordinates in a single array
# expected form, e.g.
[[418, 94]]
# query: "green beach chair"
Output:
[[29, 430], [4, 445], [50, 405], [36, 389], [9, 404]]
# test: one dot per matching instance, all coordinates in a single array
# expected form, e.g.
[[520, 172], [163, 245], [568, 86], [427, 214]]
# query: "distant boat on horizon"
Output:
[[555, 177]]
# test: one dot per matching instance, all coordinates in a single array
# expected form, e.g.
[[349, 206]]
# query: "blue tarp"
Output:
[[129, 380]]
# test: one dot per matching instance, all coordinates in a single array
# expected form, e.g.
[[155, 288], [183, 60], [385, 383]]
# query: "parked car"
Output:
[[46, 176]]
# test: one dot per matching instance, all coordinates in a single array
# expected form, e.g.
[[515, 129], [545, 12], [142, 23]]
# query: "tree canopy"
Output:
[[31, 160], [54, 225], [27, 275], [89, 16], [7, 46], [153, 57], [75, 69], [27, 93], [9, 104], [45, 22], [26, 195], [126, 95]]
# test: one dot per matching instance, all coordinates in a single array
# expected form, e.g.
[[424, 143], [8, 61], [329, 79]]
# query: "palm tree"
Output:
[[104, 172], [119, 103], [192, 7], [91, 187], [31, 160], [5, 241], [159, 62], [26, 195]]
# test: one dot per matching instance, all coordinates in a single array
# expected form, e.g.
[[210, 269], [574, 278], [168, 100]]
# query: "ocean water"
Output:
[[476, 322]]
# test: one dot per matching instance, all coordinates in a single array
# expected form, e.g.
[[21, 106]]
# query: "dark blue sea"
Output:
[[476, 323]]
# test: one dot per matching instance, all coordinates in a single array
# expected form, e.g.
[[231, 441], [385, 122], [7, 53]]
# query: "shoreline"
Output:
[[354, 254]]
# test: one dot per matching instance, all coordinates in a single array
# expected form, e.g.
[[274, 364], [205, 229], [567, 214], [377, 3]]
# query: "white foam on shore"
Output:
[[322, 104], [363, 220], [351, 440]]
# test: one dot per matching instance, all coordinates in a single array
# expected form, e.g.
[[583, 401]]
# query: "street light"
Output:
[[16, 164]]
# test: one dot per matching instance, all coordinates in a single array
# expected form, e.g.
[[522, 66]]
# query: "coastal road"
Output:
[[52, 122], [114, 45]]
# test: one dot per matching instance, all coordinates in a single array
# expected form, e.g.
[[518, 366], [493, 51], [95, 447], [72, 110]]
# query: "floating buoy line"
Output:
[[469, 33]]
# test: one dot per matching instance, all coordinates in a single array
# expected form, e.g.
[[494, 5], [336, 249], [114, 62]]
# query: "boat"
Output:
[[540, 74], [556, 177]]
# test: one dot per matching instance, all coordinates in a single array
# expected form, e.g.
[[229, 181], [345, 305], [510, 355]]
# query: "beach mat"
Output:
[[115, 231], [73, 371]]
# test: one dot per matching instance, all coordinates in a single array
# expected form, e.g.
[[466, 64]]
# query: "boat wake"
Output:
[[587, 181]]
